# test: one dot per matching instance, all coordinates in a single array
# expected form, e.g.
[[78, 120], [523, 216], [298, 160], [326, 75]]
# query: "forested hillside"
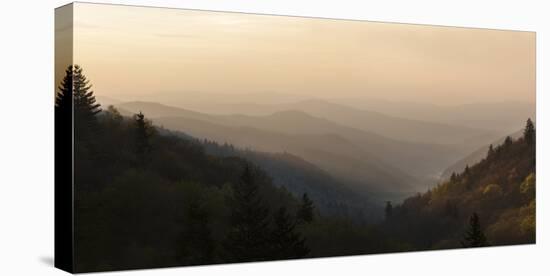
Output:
[[497, 195], [146, 196], [334, 154], [322, 128], [476, 156], [331, 196], [146, 199]]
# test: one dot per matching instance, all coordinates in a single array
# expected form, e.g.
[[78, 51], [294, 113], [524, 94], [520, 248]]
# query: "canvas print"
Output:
[[188, 137]]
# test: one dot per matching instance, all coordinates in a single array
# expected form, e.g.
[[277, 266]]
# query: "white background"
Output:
[[26, 136]]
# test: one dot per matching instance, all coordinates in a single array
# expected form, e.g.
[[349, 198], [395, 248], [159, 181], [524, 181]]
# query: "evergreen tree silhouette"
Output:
[[508, 141], [114, 118], [63, 179], [63, 98], [247, 239], [529, 132], [143, 132], [453, 177], [76, 108], [491, 151], [388, 210], [285, 242], [84, 104], [474, 236], [305, 213]]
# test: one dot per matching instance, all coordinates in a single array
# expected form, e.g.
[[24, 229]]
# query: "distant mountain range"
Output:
[[372, 161], [502, 117], [331, 196], [330, 152], [400, 128], [372, 149]]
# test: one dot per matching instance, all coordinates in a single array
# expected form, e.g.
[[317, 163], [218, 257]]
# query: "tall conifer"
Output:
[[285, 242], [305, 213], [474, 236], [85, 106], [248, 238], [75, 92], [529, 132], [143, 132], [63, 98]]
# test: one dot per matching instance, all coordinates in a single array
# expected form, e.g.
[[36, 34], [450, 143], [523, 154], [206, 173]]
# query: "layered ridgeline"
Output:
[[395, 127], [504, 116], [146, 197], [497, 196], [409, 120], [332, 196], [344, 145], [149, 196], [346, 153]]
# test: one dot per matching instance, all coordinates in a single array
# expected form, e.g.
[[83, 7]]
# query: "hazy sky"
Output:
[[132, 51]]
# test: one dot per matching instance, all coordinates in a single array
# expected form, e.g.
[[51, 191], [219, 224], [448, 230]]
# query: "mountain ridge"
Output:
[[386, 148]]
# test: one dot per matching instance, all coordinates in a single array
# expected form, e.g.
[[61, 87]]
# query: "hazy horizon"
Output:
[[131, 53], [231, 137], [289, 99]]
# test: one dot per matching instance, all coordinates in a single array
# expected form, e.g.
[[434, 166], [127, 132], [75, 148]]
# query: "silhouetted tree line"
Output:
[[488, 203], [145, 199], [149, 197], [331, 196]]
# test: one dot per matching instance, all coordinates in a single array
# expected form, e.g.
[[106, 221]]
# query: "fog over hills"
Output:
[[403, 155], [393, 127], [475, 156], [499, 117], [332, 196], [339, 138], [202, 137], [154, 110], [503, 117], [332, 153], [357, 154]]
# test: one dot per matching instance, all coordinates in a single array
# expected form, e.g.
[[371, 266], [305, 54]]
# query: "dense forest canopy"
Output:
[[499, 190], [146, 196]]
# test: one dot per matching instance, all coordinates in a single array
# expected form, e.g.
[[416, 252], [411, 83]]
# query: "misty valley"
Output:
[[160, 184], [190, 137]]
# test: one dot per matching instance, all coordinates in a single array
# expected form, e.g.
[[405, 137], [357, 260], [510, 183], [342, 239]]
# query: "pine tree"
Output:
[[388, 210], [305, 213], [248, 237], [491, 151], [474, 236], [508, 141], [74, 93], [85, 106], [285, 242], [467, 170], [143, 132], [453, 177], [63, 98], [529, 132], [113, 117]]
